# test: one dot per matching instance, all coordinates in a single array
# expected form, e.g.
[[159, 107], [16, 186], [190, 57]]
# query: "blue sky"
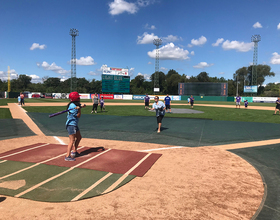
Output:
[[197, 36]]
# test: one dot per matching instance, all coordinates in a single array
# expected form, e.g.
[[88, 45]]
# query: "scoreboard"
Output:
[[203, 89], [115, 83]]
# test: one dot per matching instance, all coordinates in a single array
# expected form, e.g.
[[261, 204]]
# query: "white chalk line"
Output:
[[59, 140], [164, 148], [34, 165], [24, 150], [58, 175], [113, 186]]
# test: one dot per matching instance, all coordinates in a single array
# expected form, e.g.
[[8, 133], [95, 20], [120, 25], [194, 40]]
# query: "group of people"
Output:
[[238, 101], [21, 99], [96, 101]]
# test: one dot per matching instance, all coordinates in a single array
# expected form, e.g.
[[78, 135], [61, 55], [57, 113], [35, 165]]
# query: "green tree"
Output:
[[172, 80], [23, 82], [203, 77]]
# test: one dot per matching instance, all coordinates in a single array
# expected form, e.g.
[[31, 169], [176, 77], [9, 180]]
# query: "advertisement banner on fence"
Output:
[[265, 99], [118, 96], [175, 98], [84, 96], [139, 97], [127, 97], [106, 96]]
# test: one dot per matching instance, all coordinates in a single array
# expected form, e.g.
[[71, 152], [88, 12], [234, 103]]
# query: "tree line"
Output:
[[168, 83]]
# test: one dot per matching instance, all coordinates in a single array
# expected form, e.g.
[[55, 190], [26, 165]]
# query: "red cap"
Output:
[[74, 96]]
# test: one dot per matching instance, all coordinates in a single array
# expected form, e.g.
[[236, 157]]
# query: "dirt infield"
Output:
[[185, 183]]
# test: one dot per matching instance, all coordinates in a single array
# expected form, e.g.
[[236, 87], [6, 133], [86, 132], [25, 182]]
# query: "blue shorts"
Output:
[[72, 129]]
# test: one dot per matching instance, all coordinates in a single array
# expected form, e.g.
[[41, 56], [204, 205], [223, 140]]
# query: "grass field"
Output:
[[214, 113]]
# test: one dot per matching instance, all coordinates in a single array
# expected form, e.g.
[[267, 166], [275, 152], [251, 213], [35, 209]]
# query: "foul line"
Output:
[[58, 175], [165, 148], [34, 165], [3, 161], [59, 140], [24, 150], [125, 175]]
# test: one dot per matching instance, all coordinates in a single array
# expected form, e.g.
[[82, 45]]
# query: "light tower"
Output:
[[256, 39], [73, 32], [157, 42]]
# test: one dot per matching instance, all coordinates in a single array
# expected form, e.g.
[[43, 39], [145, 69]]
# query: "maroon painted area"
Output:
[[148, 163], [85, 151], [18, 150], [114, 161]]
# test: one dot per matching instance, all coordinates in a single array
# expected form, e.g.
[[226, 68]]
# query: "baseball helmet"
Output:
[[74, 96]]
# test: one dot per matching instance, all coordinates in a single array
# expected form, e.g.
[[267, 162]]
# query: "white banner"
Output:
[[127, 97], [265, 99]]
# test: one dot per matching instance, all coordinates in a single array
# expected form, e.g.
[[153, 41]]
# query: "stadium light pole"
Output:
[[73, 32], [256, 39], [157, 42]]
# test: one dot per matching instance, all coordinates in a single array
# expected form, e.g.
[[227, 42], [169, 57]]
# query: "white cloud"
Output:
[[94, 73], [4, 75], [37, 46], [198, 42], [152, 27], [146, 38], [149, 38], [163, 69], [150, 63], [170, 38], [238, 46], [85, 61], [257, 25], [35, 78], [192, 53], [278, 26], [218, 42], [146, 76], [131, 71], [120, 6], [170, 52], [202, 65], [222, 73], [55, 68], [275, 59]]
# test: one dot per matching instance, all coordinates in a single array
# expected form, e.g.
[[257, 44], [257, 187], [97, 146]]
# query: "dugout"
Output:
[[203, 89]]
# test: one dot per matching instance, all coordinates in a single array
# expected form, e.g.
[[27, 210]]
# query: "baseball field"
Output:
[[210, 162]]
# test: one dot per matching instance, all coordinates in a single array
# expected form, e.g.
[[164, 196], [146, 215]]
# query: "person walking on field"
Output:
[[21, 99], [101, 102], [277, 108], [160, 111], [147, 101], [73, 116], [167, 102], [246, 104], [95, 101], [191, 101], [238, 100]]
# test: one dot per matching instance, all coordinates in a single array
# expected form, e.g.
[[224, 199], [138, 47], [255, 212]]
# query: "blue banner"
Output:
[[251, 89]]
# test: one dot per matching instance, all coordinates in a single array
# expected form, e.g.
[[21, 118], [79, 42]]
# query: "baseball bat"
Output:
[[59, 113]]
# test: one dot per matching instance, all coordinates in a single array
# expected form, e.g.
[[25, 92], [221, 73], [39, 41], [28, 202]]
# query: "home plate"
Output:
[[15, 184]]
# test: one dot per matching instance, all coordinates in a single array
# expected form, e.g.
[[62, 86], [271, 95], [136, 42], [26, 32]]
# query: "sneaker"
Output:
[[91, 112], [69, 159], [95, 111], [75, 154]]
